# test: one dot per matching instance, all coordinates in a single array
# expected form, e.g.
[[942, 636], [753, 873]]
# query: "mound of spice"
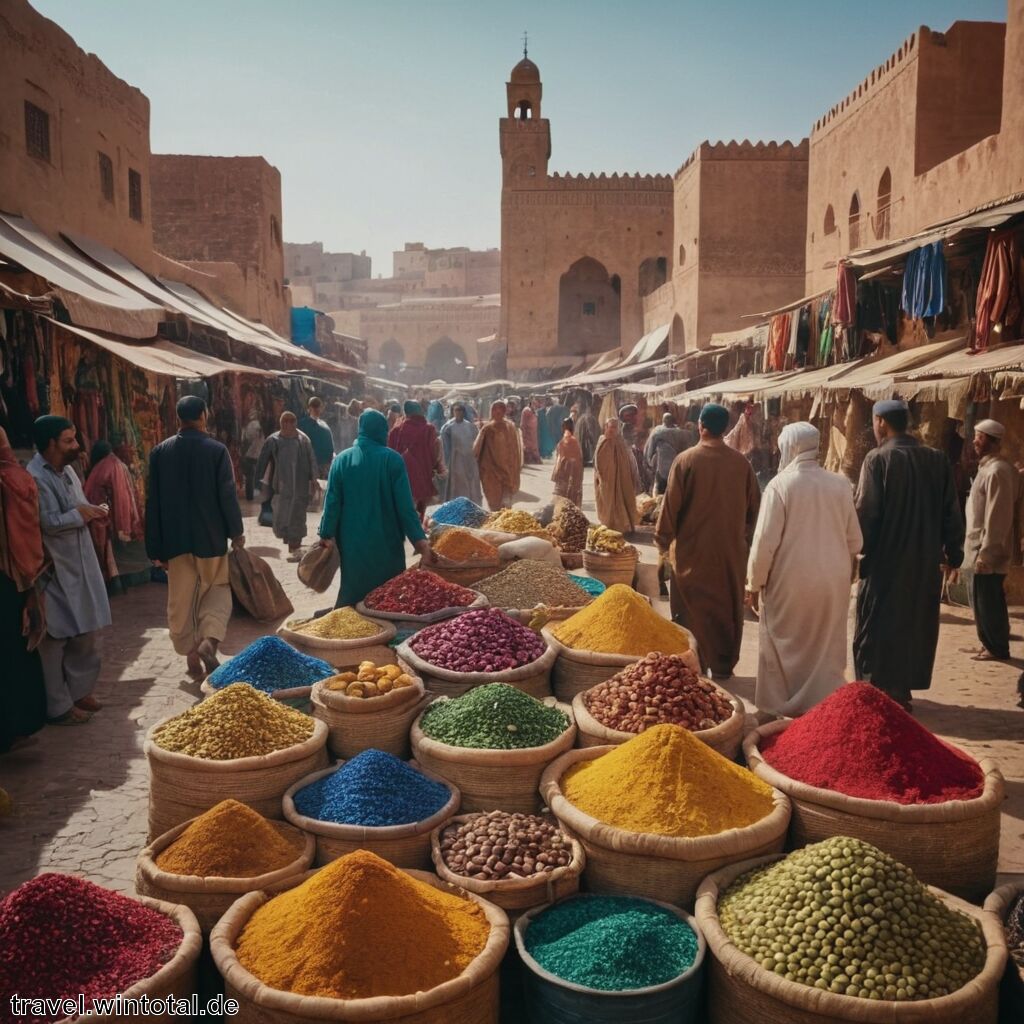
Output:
[[270, 664], [657, 689], [620, 621], [861, 743], [371, 680], [1015, 930], [374, 789], [62, 936], [493, 717], [230, 840], [359, 928], [666, 782], [340, 624], [516, 520], [611, 943], [496, 844], [418, 592], [603, 539], [460, 512], [845, 917], [237, 721], [485, 640], [569, 527], [526, 583], [460, 545]]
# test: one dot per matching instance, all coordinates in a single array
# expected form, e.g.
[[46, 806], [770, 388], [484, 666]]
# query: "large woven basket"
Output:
[[571, 559], [182, 787], [491, 780], [209, 897], [515, 894], [405, 846], [670, 868], [178, 977], [1011, 1000], [533, 678], [611, 568], [294, 697], [344, 653], [952, 845], [403, 620], [740, 990], [726, 737], [356, 724], [471, 998], [465, 574]]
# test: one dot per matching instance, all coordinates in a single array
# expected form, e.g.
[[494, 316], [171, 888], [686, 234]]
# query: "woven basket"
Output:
[[572, 559], [740, 990], [403, 620], [471, 998], [622, 863], [209, 897], [465, 574], [406, 846], [726, 737], [514, 895], [356, 724], [491, 780], [182, 787], [533, 678], [295, 697], [952, 845], [345, 653], [1012, 995], [612, 568], [178, 977]]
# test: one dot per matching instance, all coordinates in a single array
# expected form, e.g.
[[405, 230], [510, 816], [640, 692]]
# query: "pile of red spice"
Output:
[[418, 592], [61, 936], [861, 743]]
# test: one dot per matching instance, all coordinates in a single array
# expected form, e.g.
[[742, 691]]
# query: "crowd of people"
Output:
[[788, 551]]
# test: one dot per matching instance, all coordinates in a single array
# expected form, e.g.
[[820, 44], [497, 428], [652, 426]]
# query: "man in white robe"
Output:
[[457, 437], [799, 576]]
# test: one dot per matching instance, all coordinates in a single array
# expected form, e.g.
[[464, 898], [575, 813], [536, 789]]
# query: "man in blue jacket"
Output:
[[191, 512]]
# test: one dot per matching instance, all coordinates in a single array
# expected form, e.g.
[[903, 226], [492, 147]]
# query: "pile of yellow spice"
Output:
[[340, 624], [459, 545], [516, 520]]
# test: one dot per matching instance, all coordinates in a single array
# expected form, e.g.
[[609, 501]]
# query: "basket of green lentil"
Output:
[[373, 802], [786, 947], [517, 861], [931, 806], [614, 959], [1007, 903], [237, 743], [342, 636], [661, 811], [494, 743]]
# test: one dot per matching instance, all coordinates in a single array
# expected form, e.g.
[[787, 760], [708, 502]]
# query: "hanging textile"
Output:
[[845, 308], [924, 281], [778, 342], [826, 330], [999, 290]]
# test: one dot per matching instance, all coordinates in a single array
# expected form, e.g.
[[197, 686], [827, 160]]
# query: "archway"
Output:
[[884, 204], [653, 274], [446, 361], [853, 239], [392, 356], [677, 335], [588, 309]]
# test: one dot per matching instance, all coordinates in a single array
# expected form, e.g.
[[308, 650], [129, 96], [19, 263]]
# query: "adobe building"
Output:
[[74, 138], [932, 133], [317, 278], [221, 215]]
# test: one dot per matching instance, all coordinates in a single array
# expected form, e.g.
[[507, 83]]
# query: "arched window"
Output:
[[830, 220], [616, 284], [524, 110], [853, 242], [653, 274], [682, 255], [884, 204]]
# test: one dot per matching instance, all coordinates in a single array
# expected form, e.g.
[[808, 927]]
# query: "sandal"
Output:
[[88, 703], [72, 717]]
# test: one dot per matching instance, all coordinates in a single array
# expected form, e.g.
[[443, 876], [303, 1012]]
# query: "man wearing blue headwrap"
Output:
[[369, 512], [705, 527]]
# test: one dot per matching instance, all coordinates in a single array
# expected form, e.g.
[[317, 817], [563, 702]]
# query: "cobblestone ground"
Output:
[[80, 794]]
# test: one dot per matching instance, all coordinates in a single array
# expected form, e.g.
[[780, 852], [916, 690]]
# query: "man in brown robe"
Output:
[[499, 456], [614, 492], [706, 525]]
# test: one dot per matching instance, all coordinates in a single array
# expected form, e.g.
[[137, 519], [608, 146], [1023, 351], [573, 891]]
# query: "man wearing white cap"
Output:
[[991, 516]]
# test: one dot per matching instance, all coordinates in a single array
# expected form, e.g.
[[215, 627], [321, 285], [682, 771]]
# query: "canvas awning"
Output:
[[876, 377], [964, 364], [653, 345]]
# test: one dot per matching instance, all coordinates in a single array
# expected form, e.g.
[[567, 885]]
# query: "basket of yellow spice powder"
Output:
[[229, 850], [660, 812], [618, 628], [362, 940], [342, 636], [238, 743]]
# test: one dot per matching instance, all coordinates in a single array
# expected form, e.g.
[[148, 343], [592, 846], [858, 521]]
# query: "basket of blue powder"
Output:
[[373, 802], [459, 512]]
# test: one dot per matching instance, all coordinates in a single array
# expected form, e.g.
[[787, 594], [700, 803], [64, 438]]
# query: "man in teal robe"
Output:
[[369, 512]]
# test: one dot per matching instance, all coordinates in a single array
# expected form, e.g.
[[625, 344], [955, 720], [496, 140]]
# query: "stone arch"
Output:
[[588, 309], [853, 239], [829, 226], [677, 335], [884, 204], [524, 111], [445, 360], [653, 274], [392, 355]]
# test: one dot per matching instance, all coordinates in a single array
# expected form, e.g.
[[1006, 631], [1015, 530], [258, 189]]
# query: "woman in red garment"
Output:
[[416, 441]]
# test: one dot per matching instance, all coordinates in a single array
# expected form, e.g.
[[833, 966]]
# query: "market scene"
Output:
[[622, 622]]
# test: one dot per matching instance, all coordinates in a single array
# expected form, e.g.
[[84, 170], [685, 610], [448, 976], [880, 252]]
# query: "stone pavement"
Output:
[[80, 794]]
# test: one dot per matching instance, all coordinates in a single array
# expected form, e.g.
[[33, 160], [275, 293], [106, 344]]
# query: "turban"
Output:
[[990, 427], [48, 428], [190, 408], [714, 419], [888, 405], [412, 408]]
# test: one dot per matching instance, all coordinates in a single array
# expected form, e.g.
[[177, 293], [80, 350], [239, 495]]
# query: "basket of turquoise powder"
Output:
[[611, 958]]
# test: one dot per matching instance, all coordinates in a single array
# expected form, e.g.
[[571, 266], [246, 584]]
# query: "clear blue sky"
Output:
[[382, 115]]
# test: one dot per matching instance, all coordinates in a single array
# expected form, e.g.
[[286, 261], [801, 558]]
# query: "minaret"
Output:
[[525, 135]]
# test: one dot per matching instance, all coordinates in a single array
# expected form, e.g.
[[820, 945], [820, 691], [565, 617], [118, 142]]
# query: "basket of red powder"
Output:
[[418, 597], [859, 765], [63, 937]]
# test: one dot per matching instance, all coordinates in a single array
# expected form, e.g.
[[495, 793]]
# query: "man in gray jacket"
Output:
[[664, 444]]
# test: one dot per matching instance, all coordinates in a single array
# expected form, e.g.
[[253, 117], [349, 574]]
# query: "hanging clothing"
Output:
[[499, 459], [369, 511], [528, 426], [910, 517], [1000, 298], [778, 342], [705, 526], [416, 441], [801, 563], [568, 471], [463, 480], [844, 311], [924, 281], [109, 482], [293, 474], [614, 489]]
